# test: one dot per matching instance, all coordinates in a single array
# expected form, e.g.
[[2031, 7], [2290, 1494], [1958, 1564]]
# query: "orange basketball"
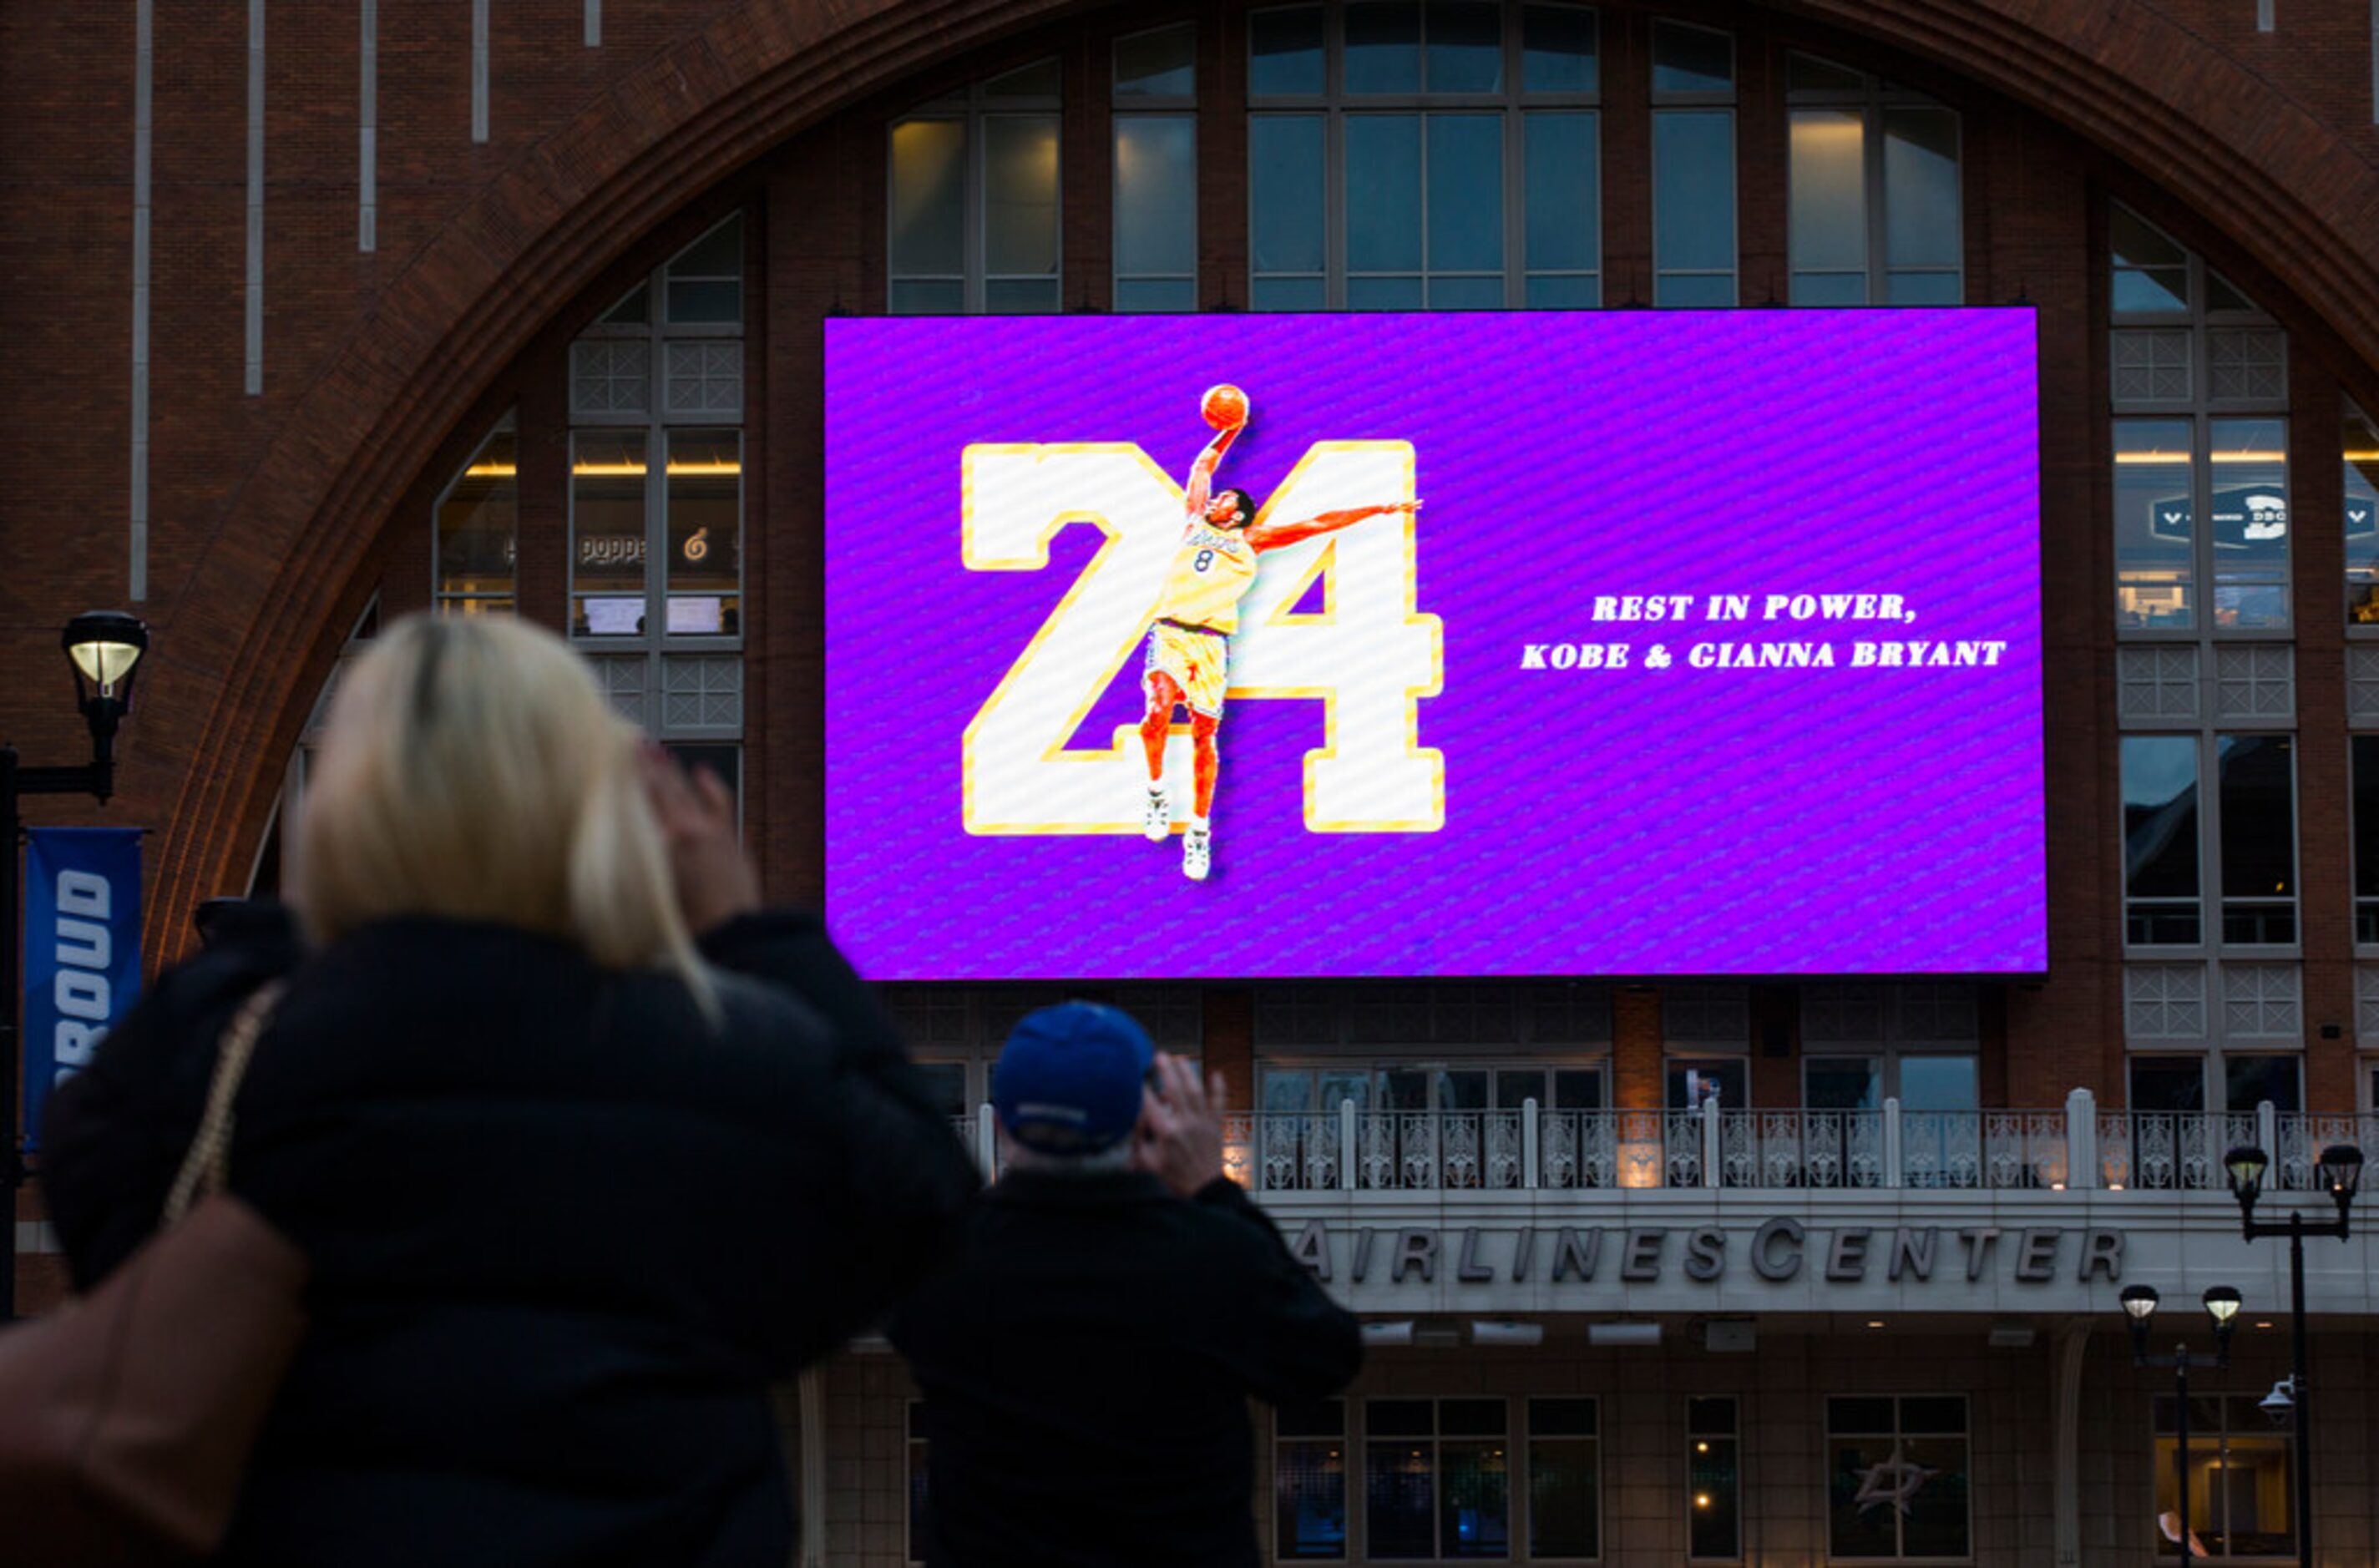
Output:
[[1224, 406]]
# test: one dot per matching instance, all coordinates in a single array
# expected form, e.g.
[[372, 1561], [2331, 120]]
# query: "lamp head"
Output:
[[2246, 1166], [2140, 1303], [105, 647], [2341, 1170], [2222, 1305]]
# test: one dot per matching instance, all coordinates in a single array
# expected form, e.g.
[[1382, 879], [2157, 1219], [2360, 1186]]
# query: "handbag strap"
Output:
[[206, 1168]]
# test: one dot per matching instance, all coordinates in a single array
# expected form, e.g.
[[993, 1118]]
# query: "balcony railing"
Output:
[[1351, 1150]]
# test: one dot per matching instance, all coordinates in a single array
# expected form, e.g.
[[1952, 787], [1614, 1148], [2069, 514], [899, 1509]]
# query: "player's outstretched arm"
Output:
[[1271, 536], [1201, 472]]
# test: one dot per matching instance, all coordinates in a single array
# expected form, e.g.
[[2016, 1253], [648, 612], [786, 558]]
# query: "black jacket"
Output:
[[1087, 1361], [563, 1232]]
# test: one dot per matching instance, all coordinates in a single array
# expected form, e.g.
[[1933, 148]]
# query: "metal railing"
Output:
[[1530, 1147]]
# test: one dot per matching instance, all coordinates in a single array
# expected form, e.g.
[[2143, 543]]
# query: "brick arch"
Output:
[[2213, 133]]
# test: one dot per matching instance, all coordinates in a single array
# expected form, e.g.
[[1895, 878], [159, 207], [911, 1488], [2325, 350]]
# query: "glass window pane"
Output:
[[1693, 291], [1557, 49], [1472, 1417], [1807, 73], [2154, 570], [1694, 1083], [1562, 158], [1383, 51], [2258, 822], [1564, 294], [1285, 51], [607, 521], [1285, 179], [705, 479], [724, 760], [1466, 46], [1923, 288], [1857, 1416], [1020, 297], [1399, 1498], [928, 196], [1565, 1507], [1157, 193], [1309, 1500], [1325, 1418], [1857, 1529], [1933, 1414], [1463, 1088], [1693, 190], [2160, 815], [635, 308], [1161, 63], [1150, 295], [1039, 79], [1829, 288], [2366, 785], [1920, 187], [1513, 1086], [1935, 1525], [2248, 1081], [1690, 59], [1466, 194], [1562, 1417], [945, 1086], [1020, 195], [1842, 1083], [2257, 1496], [1939, 1083], [1829, 190], [2250, 523], [2174, 1084], [1289, 294], [2222, 295], [1578, 1089], [478, 521], [705, 285], [1475, 1507], [719, 254], [1713, 1511], [2151, 272], [1383, 193], [936, 297], [1401, 1089], [2359, 444], [1710, 1418], [1287, 1089]]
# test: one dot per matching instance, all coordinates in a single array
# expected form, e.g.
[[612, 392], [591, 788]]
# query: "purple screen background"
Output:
[[1678, 822]]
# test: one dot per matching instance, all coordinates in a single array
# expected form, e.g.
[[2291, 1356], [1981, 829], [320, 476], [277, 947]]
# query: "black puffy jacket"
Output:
[[564, 1233]]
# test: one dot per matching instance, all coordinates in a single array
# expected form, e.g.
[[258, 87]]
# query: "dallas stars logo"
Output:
[[1895, 1480]]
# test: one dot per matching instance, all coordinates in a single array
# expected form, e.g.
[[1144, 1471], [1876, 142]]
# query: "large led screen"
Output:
[[1713, 647]]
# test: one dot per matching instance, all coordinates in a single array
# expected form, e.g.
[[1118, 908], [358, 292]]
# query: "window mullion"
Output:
[[972, 205], [655, 547], [1878, 255]]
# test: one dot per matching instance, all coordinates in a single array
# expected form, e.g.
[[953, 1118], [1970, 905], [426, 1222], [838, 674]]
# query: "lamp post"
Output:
[[104, 647], [2340, 1171], [2140, 1303]]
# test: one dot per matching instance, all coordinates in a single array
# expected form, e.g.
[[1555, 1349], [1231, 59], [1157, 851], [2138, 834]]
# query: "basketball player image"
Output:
[[1190, 643]]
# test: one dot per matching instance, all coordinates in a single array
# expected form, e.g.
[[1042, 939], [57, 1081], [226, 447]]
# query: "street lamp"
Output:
[[2140, 1302], [2340, 1171], [104, 648]]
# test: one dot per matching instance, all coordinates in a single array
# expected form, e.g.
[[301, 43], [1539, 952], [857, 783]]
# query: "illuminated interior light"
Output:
[[491, 471], [1701, 1500], [1874, 1323], [2174, 458], [1701, 1448], [2362, 457]]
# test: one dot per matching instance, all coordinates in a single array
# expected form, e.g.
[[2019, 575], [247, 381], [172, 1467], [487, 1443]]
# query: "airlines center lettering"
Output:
[[1779, 1252]]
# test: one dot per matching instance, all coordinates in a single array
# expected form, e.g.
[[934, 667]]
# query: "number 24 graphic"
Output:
[[1367, 655]]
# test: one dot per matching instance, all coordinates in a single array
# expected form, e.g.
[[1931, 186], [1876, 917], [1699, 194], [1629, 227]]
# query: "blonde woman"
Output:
[[584, 1148]]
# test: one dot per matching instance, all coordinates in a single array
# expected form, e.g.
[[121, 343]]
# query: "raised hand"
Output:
[[1180, 1138], [716, 880]]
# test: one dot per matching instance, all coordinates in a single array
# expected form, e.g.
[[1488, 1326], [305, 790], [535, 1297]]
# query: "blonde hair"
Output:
[[473, 770]]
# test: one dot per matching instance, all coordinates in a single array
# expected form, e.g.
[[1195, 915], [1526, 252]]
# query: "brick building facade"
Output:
[[279, 280]]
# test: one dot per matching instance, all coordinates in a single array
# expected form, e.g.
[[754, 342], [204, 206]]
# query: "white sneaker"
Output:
[[1157, 818], [1197, 853]]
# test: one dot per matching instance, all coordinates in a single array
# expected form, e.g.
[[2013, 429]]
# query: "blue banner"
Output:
[[82, 951]]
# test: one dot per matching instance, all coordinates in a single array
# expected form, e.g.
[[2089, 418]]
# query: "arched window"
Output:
[[1875, 206], [478, 529]]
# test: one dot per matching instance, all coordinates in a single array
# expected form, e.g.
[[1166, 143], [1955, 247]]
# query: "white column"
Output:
[[2081, 1169], [1347, 1182], [1893, 1174], [813, 1405], [2072, 1342], [1529, 1143]]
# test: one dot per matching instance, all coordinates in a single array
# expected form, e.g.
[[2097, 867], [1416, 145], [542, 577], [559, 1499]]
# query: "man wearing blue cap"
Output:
[[1087, 1359]]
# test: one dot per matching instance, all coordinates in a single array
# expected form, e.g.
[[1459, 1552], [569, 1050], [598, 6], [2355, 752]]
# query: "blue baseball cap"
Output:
[[1069, 1078]]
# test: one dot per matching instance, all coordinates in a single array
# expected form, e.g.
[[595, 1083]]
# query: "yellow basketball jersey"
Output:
[[1210, 572]]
